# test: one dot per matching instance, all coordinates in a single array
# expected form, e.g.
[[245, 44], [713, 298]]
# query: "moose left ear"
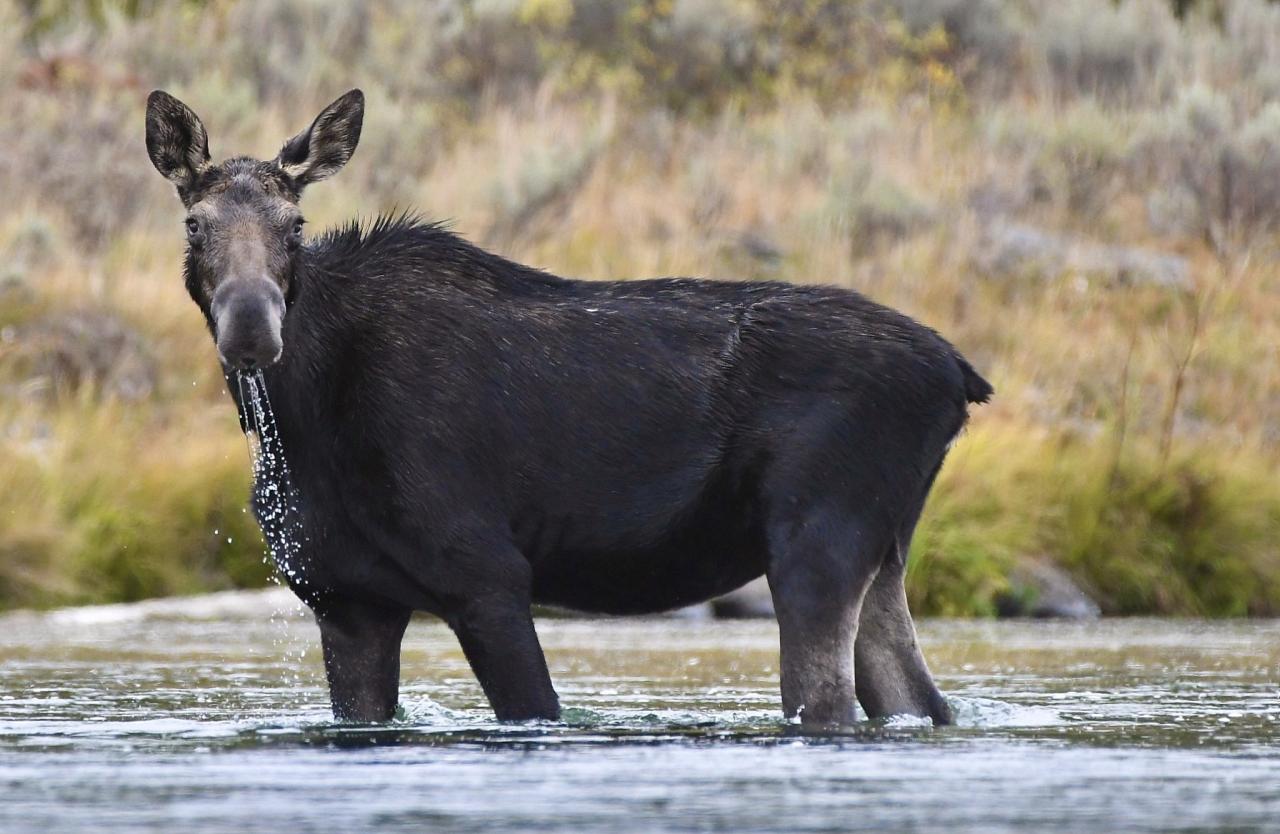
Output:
[[176, 140], [320, 150]]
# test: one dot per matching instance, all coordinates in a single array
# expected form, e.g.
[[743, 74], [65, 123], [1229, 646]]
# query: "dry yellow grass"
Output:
[[1137, 420]]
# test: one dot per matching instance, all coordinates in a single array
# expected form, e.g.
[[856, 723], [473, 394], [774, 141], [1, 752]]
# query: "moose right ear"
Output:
[[320, 150], [176, 140]]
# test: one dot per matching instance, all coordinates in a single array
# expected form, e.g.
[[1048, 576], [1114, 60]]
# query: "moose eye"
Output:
[[295, 234], [195, 237]]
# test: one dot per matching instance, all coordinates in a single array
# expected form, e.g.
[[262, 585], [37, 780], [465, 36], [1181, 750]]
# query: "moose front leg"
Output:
[[498, 638], [361, 643]]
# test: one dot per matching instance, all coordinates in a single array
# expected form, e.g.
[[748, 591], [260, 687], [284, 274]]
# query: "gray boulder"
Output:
[[751, 601], [1040, 589], [1007, 248]]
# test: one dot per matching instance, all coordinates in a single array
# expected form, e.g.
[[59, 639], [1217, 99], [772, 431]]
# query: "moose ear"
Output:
[[176, 139], [320, 150]]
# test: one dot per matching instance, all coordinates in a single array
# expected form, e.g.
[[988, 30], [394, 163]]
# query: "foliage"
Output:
[[1218, 176], [105, 504], [1113, 51], [875, 145]]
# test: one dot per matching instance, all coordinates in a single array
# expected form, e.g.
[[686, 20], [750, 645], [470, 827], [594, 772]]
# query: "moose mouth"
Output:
[[248, 315]]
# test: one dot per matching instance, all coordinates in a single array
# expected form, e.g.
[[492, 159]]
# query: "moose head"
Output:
[[243, 226]]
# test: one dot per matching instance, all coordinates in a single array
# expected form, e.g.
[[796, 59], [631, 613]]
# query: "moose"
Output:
[[469, 436]]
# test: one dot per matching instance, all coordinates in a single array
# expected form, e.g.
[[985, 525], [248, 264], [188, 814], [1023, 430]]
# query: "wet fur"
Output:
[[469, 436], [462, 426]]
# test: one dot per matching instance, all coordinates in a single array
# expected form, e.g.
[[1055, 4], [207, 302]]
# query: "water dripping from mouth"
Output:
[[276, 507], [274, 495]]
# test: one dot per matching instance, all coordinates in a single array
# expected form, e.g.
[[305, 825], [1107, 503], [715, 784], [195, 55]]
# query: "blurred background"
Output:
[[1083, 196]]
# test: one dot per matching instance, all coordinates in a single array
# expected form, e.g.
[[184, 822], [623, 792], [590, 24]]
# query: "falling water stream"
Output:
[[273, 489], [277, 511]]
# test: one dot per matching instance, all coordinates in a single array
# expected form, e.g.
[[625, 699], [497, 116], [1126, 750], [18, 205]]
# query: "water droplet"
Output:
[[274, 495]]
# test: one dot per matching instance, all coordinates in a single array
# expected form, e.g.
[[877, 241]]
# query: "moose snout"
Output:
[[247, 316]]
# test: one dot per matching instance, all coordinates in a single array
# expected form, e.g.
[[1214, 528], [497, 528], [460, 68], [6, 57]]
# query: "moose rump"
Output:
[[469, 436], [682, 419]]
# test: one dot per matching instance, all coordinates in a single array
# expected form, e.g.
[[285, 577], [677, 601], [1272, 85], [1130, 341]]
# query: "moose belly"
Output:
[[702, 560], [640, 583]]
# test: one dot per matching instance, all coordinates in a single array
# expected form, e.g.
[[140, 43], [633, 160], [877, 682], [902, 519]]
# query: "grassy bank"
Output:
[[1084, 197]]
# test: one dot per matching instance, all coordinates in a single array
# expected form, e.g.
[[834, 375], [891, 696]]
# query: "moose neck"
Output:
[[313, 336]]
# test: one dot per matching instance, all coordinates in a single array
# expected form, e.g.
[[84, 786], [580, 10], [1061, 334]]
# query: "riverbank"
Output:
[[1075, 195]]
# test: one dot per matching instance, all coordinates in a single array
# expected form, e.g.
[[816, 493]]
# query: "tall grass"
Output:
[[1001, 170]]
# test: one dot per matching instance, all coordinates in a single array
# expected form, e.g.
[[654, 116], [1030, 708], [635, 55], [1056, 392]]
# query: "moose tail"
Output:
[[976, 389]]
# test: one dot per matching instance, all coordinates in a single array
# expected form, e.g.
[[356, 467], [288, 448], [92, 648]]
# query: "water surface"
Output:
[[210, 715]]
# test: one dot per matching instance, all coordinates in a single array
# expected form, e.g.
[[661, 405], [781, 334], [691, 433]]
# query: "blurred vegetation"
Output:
[[1082, 195]]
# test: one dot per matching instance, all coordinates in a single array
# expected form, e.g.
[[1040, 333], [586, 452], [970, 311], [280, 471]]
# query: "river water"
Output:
[[210, 715]]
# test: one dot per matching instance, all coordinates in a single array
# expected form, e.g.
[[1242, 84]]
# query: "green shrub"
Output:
[[108, 506], [873, 209], [1215, 176], [1195, 537], [986, 34], [1117, 52], [1188, 539]]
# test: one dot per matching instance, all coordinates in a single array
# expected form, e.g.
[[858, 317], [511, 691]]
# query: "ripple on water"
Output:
[[206, 715], [987, 712]]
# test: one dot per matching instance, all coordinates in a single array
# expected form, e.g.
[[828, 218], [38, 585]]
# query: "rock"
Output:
[[1041, 589], [14, 289], [993, 200], [63, 352], [751, 601], [755, 246], [1019, 249], [698, 613], [749, 255]]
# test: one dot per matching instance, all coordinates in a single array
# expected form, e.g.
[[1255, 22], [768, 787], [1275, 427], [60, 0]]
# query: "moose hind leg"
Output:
[[361, 643], [818, 577], [891, 673]]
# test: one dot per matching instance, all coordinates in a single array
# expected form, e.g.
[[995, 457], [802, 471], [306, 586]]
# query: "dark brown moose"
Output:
[[468, 436]]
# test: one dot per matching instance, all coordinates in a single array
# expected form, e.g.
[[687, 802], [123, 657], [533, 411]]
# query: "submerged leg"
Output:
[[361, 642], [891, 673], [499, 640], [818, 577]]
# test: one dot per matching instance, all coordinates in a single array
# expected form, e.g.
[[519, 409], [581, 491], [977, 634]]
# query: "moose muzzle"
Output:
[[248, 314]]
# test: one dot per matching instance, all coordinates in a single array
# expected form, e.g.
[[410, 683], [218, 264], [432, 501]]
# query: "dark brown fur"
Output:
[[469, 436]]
